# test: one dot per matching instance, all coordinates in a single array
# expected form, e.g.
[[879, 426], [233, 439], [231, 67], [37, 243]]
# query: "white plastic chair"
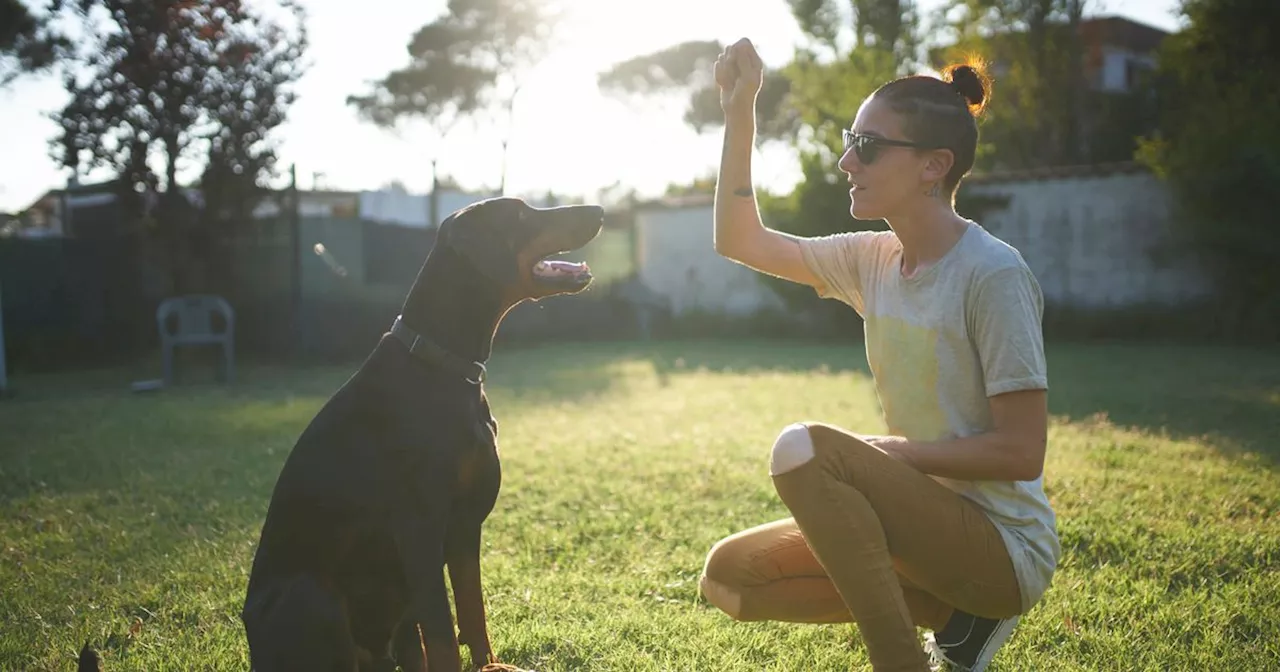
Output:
[[194, 326]]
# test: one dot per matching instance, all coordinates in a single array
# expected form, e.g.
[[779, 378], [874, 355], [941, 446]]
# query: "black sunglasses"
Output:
[[867, 147]]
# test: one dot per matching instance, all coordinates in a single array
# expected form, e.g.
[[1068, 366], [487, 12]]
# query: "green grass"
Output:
[[130, 520]]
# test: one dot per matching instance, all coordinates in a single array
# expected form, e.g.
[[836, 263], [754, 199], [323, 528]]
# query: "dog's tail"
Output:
[[89, 660]]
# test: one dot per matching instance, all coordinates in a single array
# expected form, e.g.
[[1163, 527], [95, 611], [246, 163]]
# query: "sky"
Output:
[[567, 136]]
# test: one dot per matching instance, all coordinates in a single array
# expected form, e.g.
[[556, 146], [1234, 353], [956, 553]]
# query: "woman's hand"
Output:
[[893, 446], [1012, 451], [739, 74]]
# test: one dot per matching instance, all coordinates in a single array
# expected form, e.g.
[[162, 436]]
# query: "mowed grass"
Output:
[[130, 520]]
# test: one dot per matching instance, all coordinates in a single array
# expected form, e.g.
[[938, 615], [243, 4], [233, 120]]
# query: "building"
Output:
[[675, 259], [81, 211], [89, 210], [1116, 52]]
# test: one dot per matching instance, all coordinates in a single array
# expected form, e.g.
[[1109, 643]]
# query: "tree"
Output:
[[28, 43], [249, 100], [828, 82], [703, 185], [685, 71], [851, 48], [1045, 112], [1218, 146], [468, 64], [142, 89], [168, 82]]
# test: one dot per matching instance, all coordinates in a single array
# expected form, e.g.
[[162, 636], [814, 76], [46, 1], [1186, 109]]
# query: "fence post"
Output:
[[4, 376], [298, 330]]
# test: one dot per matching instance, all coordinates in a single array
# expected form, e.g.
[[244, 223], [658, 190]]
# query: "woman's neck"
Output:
[[927, 232]]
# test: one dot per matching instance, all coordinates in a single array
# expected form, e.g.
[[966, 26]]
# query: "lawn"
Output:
[[129, 520]]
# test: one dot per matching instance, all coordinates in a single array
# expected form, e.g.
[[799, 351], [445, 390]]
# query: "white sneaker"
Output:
[[968, 642]]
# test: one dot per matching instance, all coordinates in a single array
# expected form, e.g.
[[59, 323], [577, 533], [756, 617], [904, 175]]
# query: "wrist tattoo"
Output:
[[745, 192]]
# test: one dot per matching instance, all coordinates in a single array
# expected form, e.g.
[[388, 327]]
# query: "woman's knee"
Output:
[[726, 598], [791, 449], [722, 574], [802, 442]]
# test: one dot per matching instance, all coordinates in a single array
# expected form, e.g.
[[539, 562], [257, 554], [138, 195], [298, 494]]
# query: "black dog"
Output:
[[392, 479]]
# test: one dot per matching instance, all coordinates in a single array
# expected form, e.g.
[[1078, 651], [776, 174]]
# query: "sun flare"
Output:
[[564, 125]]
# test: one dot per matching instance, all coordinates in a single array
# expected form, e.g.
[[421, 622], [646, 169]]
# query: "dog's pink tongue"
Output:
[[560, 268]]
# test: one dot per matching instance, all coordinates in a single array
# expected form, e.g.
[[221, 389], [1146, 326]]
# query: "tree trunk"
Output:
[[1042, 129], [1075, 87]]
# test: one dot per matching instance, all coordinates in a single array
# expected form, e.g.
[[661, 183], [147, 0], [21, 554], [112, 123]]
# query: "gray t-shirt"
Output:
[[939, 343]]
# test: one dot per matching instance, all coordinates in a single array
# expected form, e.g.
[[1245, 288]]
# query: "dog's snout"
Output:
[[591, 217], [594, 215], [571, 225], [580, 212]]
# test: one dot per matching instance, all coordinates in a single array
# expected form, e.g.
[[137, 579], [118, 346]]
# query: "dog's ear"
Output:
[[492, 254]]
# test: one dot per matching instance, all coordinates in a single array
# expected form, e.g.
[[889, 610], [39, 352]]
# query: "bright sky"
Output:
[[568, 137]]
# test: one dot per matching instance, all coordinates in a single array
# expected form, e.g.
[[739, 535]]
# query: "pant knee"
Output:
[[721, 596], [721, 564], [792, 448], [720, 580]]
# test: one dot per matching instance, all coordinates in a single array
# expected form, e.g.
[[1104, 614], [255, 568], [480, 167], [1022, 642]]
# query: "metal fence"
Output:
[[73, 303]]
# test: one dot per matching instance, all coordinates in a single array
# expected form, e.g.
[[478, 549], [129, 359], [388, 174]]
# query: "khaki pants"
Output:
[[872, 541]]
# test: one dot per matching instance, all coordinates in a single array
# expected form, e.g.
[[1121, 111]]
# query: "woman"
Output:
[[943, 523]]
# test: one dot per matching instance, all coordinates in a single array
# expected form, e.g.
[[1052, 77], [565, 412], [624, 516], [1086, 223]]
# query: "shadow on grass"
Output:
[[254, 377], [86, 432], [573, 370], [1227, 397], [188, 443], [66, 435], [758, 357]]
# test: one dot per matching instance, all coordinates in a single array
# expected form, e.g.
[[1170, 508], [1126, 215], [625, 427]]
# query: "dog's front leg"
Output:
[[422, 556], [462, 553]]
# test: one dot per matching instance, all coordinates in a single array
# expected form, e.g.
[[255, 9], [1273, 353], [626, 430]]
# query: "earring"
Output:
[[935, 191]]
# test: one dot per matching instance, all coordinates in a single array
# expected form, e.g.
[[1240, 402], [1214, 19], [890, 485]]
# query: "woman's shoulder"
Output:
[[990, 255]]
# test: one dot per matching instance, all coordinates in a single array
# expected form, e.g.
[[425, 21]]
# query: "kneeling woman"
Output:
[[942, 523]]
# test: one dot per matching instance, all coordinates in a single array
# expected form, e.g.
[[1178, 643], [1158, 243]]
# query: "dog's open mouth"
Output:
[[562, 274]]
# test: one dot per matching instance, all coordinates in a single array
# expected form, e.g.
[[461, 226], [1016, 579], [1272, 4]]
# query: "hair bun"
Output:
[[971, 82]]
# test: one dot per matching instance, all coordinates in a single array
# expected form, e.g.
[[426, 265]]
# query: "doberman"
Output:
[[393, 478]]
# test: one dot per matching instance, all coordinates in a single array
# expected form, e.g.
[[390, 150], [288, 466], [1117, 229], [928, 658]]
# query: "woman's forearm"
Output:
[[993, 456], [737, 217]]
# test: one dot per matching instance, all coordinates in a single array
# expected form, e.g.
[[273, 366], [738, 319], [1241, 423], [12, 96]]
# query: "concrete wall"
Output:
[[1094, 237], [676, 258]]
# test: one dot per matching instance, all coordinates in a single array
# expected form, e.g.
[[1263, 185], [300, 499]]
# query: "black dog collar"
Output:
[[432, 353]]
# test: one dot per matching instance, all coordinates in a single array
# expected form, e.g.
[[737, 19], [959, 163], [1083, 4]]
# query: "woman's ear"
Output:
[[937, 164]]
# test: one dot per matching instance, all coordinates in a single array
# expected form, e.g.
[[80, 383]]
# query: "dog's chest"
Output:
[[478, 462]]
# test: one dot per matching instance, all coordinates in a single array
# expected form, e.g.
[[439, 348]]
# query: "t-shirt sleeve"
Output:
[[839, 260], [1006, 321]]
